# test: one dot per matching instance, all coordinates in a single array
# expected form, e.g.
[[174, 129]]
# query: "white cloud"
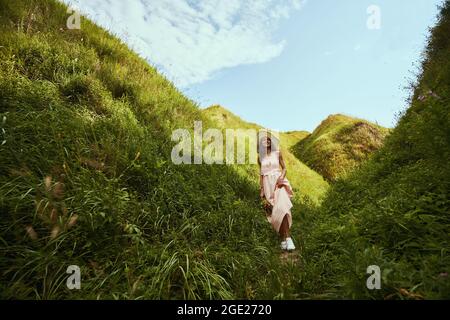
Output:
[[190, 40]]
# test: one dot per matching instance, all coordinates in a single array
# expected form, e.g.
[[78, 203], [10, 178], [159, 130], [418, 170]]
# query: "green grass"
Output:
[[86, 177], [339, 145], [394, 211]]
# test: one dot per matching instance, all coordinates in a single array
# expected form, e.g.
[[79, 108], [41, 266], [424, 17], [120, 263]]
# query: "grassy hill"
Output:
[[87, 179], [339, 144], [305, 182], [394, 211]]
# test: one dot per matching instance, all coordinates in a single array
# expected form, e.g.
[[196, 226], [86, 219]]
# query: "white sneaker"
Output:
[[289, 244], [283, 245]]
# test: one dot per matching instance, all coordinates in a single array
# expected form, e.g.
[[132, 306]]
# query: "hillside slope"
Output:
[[305, 182], [394, 212], [339, 144], [86, 177]]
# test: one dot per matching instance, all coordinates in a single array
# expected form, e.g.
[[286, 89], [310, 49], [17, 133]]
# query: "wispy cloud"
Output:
[[190, 40]]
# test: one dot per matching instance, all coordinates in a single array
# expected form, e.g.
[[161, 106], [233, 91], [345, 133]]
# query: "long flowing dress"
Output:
[[279, 198]]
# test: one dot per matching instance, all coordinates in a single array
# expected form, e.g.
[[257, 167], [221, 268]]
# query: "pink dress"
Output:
[[279, 198]]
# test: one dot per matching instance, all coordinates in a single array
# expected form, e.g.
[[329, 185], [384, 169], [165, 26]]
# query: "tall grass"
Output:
[[394, 211], [86, 177]]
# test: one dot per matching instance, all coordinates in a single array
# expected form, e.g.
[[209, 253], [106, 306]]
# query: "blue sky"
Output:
[[284, 64]]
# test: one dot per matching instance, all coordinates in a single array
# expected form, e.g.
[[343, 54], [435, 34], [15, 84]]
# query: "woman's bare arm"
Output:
[[261, 185], [283, 167]]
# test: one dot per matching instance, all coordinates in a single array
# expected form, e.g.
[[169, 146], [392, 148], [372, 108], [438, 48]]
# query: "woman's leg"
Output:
[[284, 228]]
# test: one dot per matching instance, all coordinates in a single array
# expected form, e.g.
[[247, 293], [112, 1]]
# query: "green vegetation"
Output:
[[394, 211], [339, 144], [86, 179]]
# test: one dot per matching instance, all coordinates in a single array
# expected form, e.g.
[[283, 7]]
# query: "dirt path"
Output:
[[290, 257]]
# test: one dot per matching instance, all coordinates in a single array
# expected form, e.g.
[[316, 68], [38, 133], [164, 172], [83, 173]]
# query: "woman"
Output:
[[275, 188]]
